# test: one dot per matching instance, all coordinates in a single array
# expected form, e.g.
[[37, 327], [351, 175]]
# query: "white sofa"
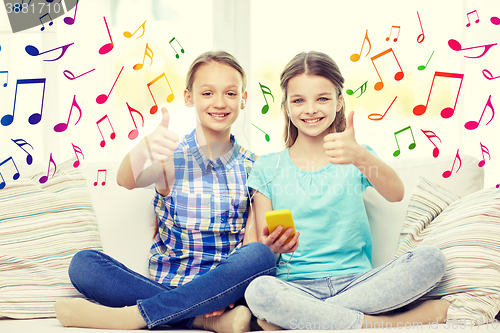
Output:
[[126, 224]]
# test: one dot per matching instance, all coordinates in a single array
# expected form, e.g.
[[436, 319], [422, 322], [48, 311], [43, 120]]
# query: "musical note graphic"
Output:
[[484, 149], [7, 80], [77, 151], [105, 175], [477, 20], [398, 76], [21, 143], [429, 135], [170, 43], [135, 132], [71, 76], [265, 108], [44, 179], [146, 53], [487, 74], [496, 21], [411, 146], [170, 97], [101, 99], [362, 87], [61, 127], [50, 23], [33, 51], [112, 135], [447, 173], [498, 185], [471, 125], [15, 176], [378, 116], [71, 20], [266, 135], [395, 39], [420, 37], [35, 117], [422, 67], [355, 57], [109, 46], [128, 34], [456, 46], [446, 112]]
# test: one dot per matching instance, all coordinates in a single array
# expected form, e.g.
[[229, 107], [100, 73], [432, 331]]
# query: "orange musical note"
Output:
[[44, 179], [33, 51], [446, 112], [21, 143], [267, 137], [113, 134], [429, 135], [35, 117], [170, 43], [265, 108], [398, 76], [355, 57], [103, 97], [71, 20], [135, 132], [411, 146], [447, 173], [105, 175], [71, 76], [484, 149], [378, 116], [41, 17], [487, 74], [396, 27], [61, 127], [15, 176], [77, 151], [362, 87], [456, 46], [170, 97], [109, 46], [471, 125], [146, 53], [128, 34], [420, 37], [477, 20]]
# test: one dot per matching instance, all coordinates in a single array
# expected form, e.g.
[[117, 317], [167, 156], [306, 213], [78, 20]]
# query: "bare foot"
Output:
[[236, 320], [268, 326]]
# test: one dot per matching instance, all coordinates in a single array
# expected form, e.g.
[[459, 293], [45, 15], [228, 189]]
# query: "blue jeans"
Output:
[[110, 283], [340, 302]]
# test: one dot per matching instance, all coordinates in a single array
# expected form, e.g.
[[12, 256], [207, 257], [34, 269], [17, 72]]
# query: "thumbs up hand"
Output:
[[342, 147], [162, 142]]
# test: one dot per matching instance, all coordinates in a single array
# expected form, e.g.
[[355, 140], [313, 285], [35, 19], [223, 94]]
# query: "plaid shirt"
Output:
[[203, 218]]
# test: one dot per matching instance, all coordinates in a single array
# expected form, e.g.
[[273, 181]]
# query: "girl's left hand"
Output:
[[342, 147]]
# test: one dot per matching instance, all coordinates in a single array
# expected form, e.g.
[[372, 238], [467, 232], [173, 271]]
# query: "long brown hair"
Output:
[[312, 63]]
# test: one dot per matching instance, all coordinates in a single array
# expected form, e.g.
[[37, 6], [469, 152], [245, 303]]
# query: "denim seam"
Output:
[[144, 314], [165, 319]]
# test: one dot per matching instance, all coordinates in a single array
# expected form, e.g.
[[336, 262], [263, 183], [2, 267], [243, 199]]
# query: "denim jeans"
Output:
[[103, 279], [340, 302]]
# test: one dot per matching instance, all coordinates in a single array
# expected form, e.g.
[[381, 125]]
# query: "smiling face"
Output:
[[313, 104], [217, 96]]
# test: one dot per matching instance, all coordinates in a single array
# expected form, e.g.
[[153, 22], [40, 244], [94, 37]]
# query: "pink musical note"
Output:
[[109, 46], [471, 125], [487, 74], [44, 179], [498, 185], [170, 97], [113, 134], [147, 52], [399, 30], [101, 99], [135, 132], [15, 176], [477, 20], [71, 76], [105, 176], [378, 116], [128, 34], [61, 127], [447, 173], [77, 151], [21, 143], [484, 149], [446, 112], [496, 21], [71, 20], [41, 17], [420, 37], [355, 57], [456, 46], [398, 76], [33, 51], [429, 135], [35, 117]]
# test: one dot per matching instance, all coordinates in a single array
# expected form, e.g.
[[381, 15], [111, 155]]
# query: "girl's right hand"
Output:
[[277, 245], [162, 142]]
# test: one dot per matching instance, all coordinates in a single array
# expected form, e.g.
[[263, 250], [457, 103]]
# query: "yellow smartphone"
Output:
[[281, 217]]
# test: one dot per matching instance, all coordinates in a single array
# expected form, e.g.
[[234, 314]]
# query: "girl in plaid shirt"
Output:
[[201, 261]]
